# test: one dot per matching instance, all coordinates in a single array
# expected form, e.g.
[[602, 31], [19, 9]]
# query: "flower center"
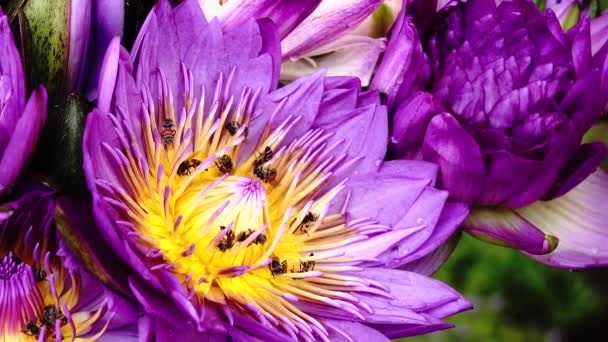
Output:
[[35, 301], [21, 299], [239, 217]]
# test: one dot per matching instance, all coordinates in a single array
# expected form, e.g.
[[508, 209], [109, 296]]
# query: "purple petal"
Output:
[[284, 13], [505, 227], [302, 99], [410, 121], [501, 182], [410, 168], [452, 216], [599, 32], [581, 46], [363, 132], [560, 147], [10, 63], [108, 21], [355, 332], [413, 292], [271, 45], [392, 196], [78, 35], [327, 22], [578, 220], [404, 67], [24, 138], [430, 263], [108, 72], [351, 55], [458, 155], [586, 160]]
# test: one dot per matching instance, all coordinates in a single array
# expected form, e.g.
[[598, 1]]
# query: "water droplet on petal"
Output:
[[419, 220]]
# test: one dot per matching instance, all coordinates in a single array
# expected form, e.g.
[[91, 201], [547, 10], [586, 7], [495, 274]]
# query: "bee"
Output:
[[168, 132], [51, 314], [306, 266], [39, 274], [224, 164], [308, 220], [259, 240], [32, 329], [277, 266], [264, 156], [227, 241], [267, 174], [233, 126], [244, 235], [186, 167]]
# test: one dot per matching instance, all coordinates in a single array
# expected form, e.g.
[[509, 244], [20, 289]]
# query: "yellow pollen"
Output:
[[238, 222]]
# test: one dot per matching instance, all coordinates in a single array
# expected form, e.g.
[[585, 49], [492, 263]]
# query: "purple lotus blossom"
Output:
[[504, 119], [258, 213], [21, 119], [346, 37], [46, 294]]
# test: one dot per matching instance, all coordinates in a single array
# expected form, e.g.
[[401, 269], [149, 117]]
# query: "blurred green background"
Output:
[[517, 299]]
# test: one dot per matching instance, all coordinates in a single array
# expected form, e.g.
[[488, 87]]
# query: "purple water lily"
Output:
[[46, 294], [345, 37], [21, 120], [258, 213], [504, 119]]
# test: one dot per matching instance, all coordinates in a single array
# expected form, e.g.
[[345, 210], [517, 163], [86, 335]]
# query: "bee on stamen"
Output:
[[259, 240], [233, 126], [306, 266], [244, 235], [277, 267], [32, 329], [308, 220], [224, 164], [39, 274], [187, 166], [168, 132], [264, 156], [51, 314], [267, 174], [227, 241]]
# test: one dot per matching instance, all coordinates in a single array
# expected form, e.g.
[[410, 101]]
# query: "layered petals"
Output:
[[404, 68], [458, 156], [258, 213], [285, 14], [20, 147], [505, 111], [21, 120], [328, 21]]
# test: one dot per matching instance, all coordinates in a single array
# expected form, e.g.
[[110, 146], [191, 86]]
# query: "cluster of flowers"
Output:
[[278, 170]]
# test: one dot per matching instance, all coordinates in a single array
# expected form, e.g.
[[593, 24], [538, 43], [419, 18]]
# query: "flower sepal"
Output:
[[504, 227]]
